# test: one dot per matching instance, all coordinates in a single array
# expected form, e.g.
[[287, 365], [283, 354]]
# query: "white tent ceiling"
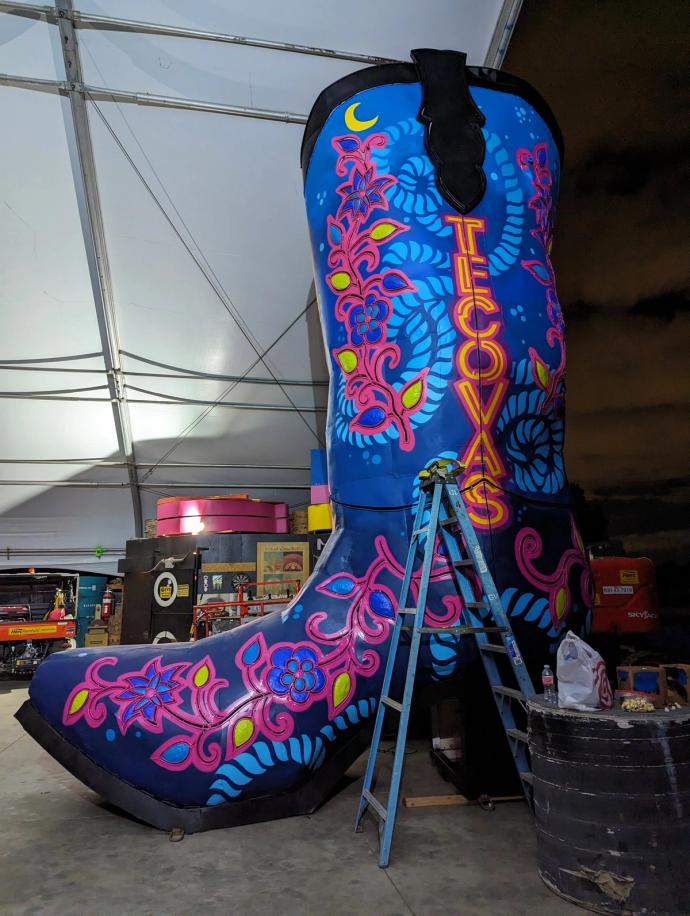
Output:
[[206, 239]]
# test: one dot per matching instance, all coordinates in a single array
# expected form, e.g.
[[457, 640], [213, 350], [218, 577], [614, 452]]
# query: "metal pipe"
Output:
[[155, 485], [15, 363], [503, 32], [144, 98], [181, 465], [61, 397], [113, 24], [169, 101], [29, 395], [222, 378], [91, 216], [240, 379], [189, 375], [171, 402], [7, 552], [34, 82], [203, 402], [29, 11], [277, 408], [95, 21]]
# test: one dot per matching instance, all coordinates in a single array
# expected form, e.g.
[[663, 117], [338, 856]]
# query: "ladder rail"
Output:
[[490, 591], [496, 612], [390, 665], [410, 675], [441, 497]]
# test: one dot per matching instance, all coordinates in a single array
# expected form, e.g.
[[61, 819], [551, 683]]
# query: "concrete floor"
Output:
[[63, 852]]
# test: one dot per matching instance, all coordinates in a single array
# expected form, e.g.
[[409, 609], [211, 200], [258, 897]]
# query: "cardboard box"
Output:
[[677, 683], [298, 521], [96, 636], [645, 679]]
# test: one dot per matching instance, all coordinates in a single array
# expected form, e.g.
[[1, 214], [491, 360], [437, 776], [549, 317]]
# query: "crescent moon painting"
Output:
[[353, 123]]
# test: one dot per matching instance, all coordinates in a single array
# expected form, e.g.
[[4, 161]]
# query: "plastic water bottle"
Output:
[[547, 683]]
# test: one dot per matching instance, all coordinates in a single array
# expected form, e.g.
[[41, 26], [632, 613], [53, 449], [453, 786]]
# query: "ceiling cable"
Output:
[[210, 277], [191, 375], [202, 416]]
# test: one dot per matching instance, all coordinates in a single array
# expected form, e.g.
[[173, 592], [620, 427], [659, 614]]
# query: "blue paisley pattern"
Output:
[[306, 751], [533, 439], [415, 193], [501, 170], [421, 318]]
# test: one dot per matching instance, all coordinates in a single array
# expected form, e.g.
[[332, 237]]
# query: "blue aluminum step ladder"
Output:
[[485, 619]]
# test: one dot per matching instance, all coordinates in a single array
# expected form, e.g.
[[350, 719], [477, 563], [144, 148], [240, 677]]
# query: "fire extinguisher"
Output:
[[107, 607]]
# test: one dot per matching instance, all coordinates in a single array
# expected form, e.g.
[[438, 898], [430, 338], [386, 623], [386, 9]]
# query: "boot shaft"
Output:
[[442, 327]]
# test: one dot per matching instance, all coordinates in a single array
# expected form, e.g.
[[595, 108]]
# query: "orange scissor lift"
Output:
[[17, 634]]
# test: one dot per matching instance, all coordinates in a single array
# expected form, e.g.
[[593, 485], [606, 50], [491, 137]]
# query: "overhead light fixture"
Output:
[[196, 525]]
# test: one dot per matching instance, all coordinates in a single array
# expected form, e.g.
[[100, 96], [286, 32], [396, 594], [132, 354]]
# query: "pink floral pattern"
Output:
[[279, 681], [148, 692], [529, 547], [536, 162], [364, 295]]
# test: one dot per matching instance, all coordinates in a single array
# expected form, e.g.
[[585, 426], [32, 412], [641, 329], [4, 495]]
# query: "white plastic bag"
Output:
[[582, 681]]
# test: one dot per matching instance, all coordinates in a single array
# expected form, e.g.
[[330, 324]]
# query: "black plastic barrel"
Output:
[[612, 807]]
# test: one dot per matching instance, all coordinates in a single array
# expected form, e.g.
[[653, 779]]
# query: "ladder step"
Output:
[[419, 531], [490, 647], [375, 804], [477, 604], [407, 610], [460, 564], [509, 692], [387, 701], [448, 522], [518, 735]]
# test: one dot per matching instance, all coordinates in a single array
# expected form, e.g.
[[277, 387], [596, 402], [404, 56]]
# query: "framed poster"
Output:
[[281, 561]]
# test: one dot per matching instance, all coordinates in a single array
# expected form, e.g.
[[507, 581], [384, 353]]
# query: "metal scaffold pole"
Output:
[[91, 216]]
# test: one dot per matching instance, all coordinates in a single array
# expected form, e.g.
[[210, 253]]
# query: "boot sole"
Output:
[[304, 799]]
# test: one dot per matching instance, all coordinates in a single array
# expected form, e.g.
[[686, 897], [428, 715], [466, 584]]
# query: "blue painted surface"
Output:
[[369, 470], [319, 469], [91, 590]]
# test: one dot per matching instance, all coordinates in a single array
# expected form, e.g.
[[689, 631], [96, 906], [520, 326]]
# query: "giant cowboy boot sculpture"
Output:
[[429, 190]]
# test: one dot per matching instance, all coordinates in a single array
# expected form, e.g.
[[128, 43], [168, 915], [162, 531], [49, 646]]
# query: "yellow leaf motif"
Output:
[[244, 729], [347, 360], [79, 699], [340, 280], [412, 395], [341, 688], [542, 373], [201, 676], [382, 231], [560, 603]]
